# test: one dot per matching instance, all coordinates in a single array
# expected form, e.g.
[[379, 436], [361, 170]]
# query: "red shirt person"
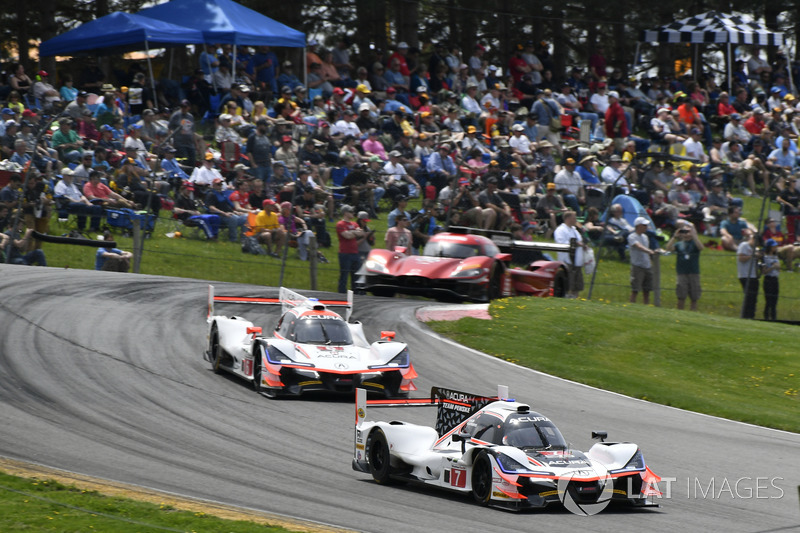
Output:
[[349, 234], [616, 125]]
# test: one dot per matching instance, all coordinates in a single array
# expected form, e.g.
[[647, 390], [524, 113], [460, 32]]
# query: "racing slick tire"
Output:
[[482, 479], [495, 288], [560, 283], [386, 293], [215, 351], [378, 458]]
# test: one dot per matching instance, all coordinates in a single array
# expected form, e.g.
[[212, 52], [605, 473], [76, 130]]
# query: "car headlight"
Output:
[[509, 465], [636, 463], [399, 360], [470, 273], [375, 266]]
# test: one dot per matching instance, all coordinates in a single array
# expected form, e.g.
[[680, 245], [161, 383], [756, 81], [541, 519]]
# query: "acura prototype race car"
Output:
[[462, 264], [502, 453], [311, 349]]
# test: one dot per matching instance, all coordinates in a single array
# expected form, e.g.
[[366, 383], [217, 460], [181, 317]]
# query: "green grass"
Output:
[[43, 505], [742, 370]]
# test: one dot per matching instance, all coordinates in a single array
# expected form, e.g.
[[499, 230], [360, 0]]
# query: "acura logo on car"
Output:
[[341, 366]]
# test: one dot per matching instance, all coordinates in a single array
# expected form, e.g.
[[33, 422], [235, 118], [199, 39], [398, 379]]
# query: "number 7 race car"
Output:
[[502, 453], [311, 349]]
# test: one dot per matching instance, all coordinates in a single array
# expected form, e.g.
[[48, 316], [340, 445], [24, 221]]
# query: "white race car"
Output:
[[312, 348], [502, 453]]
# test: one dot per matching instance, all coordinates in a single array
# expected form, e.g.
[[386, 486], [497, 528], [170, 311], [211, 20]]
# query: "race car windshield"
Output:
[[525, 432], [316, 331], [455, 249]]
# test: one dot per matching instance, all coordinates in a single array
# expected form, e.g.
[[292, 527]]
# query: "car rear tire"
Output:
[[215, 351], [379, 458], [482, 479], [560, 283]]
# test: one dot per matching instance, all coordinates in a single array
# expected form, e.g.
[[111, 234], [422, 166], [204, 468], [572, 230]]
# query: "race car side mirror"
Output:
[[462, 437], [602, 435], [387, 335], [254, 330], [505, 258]]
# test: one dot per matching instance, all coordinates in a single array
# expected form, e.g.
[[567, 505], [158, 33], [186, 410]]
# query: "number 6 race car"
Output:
[[469, 264], [311, 349], [502, 453]]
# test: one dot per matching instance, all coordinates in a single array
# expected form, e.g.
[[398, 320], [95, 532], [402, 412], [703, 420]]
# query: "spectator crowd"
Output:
[[252, 148]]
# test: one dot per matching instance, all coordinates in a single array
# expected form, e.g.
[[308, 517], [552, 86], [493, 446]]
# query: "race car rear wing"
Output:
[[287, 298], [453, 406], [507, 244]]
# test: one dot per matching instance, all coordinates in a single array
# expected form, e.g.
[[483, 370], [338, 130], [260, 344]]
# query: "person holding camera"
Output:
[[771, 268], [687, 246], [641, 263], [747, 258]]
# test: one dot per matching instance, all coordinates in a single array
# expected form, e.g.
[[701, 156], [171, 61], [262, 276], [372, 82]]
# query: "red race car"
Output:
[[461, 265]]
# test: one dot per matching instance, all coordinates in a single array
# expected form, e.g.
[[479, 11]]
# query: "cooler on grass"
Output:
[[124, 218]]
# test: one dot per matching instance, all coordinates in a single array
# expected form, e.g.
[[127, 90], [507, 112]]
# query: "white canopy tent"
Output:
[[713, 27]]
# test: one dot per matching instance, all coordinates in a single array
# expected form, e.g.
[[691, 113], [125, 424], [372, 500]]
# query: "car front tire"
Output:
[[482, 479]]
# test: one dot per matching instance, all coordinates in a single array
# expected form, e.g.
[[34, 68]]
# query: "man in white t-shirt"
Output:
[[694, 148], [564, 234]]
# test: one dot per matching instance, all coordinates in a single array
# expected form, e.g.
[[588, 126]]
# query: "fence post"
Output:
[[137, 244], [657, 279], [312, 260]]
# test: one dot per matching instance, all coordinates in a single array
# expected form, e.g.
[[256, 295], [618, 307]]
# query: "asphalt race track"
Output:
[[102, 374]]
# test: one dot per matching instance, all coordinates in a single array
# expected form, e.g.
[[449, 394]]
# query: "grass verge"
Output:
[[45, 505], [736, 369]]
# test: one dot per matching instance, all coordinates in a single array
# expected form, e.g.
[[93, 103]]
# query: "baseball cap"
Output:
[[613, 94], [551, 186], [209, 156], [517, 127], [641, 221], [391, 90], [401, 45], [347, 209], [268, 201], [363, 215], [286, 205], [216, 180], [570, 161], [42, 73], [363, 88], [286, 139]]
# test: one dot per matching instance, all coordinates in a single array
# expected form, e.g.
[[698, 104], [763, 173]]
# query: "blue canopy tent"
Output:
[[226, 22], [120, 32]]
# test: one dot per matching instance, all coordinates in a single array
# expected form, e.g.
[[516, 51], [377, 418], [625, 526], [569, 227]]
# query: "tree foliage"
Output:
[[572, 28]]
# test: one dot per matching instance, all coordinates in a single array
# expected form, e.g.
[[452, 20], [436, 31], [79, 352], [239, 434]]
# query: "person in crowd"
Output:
[[568, 233], [399, 234], [641, 262], [112, 259], [747, 272], [295, 227], [350, 235], [732, 229], [687, 247], [16, 247], [770, 269], [218, 203]]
